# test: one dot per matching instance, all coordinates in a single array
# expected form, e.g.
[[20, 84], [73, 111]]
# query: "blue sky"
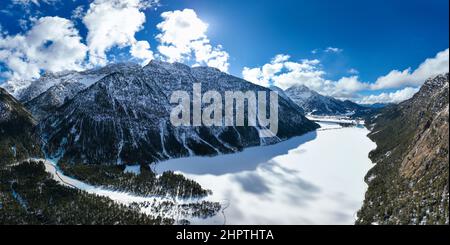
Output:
[[332, 41]]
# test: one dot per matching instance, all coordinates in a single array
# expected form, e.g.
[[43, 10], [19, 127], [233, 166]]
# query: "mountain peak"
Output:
[[314, 103], [167, 65], [436, 82], [129, 112], [114, 67]]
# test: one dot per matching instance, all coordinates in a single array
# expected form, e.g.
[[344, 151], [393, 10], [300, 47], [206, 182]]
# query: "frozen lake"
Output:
[[317, 178]]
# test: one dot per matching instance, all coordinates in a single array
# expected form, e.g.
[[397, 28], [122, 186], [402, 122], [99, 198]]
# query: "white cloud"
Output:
[[264, 76], [114, 23], [183, 38], [78, 12], [284, 74], [353, 71], [255, 76], [333, 50], [394, 97], [348, 86], [429, 68], [141, 50], [35, 2], [23, 24], [52, 44], [305, 72], [281, 58]]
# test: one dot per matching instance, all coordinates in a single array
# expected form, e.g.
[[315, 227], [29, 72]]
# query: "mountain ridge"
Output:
[[128, 113], [409, 183], [319, 105]]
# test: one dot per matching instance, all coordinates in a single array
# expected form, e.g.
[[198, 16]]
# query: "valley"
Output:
[[292, 182], [317, 178], [216, 114], [110, 143]]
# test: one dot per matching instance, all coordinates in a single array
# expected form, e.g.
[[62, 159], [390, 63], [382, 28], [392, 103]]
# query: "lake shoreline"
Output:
[[262, 179]]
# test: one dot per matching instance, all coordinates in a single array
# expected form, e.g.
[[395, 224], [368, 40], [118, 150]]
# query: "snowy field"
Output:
[[317, 178], [335, 119]]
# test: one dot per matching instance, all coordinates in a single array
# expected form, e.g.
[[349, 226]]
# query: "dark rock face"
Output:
[[316, 104], [409, 184], [124, 118], [17, 138]]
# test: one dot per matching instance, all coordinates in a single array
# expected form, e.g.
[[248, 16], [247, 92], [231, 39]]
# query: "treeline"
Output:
[[29, 195], [147, 183]]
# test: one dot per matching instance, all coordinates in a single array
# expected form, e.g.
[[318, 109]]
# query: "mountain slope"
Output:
[[17, 138], [47, 102], [409, 184], [317, 104], [124, 119], [49, 92], [24, 93]]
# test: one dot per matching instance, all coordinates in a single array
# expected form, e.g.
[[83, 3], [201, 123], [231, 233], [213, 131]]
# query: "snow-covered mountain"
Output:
[[124, 117], [36, 87], [283, 94], [54, 97], [64, 88], [317, 104], [50, 91]]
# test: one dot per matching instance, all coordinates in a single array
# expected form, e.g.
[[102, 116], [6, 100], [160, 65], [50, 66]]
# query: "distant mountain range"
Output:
[[119, 114], [376, 105], [316, 104], [410, 181]]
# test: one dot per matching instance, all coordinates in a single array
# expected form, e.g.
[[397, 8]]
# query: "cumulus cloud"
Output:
[[114, 23], [264, 76], [255, 76], [281, 58], [141, 50], [284, 73], [52, 44], [183, 38], [429, 68], [305, 72], [394, 97], [348, 86]]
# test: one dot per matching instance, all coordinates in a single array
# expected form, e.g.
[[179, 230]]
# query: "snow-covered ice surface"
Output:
[[335, 119], [317, 178]]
